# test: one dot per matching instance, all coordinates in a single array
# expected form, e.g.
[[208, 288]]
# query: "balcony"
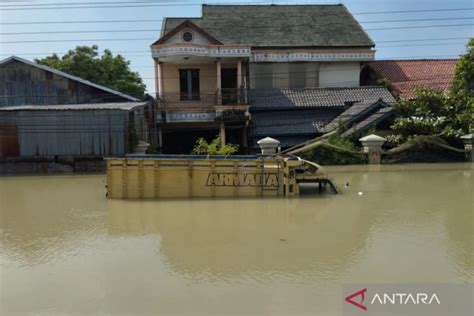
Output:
[[221, 105]]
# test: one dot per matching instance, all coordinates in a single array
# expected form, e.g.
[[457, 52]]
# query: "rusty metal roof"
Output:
[[124, 106], [63, 74]]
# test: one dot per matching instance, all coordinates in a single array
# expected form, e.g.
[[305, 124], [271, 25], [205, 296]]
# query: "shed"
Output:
[[94, 129], [23, 82]]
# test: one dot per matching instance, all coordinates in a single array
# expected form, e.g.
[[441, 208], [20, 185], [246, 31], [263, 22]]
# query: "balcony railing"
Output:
[[202, 102]]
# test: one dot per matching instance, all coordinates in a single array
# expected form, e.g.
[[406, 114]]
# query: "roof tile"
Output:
[[264, 100], [279, 25], [408, 75]]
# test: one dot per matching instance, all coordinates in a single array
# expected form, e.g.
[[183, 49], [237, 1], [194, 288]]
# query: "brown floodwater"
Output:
[[67, 250]]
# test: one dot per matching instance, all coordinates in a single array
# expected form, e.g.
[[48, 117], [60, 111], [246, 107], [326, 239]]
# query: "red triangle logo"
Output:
[[361, 293]]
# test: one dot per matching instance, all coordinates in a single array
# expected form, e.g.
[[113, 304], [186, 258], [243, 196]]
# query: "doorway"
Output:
[[229, 85]]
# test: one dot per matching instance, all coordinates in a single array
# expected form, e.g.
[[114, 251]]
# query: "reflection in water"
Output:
[[64, 248], [226, 238]]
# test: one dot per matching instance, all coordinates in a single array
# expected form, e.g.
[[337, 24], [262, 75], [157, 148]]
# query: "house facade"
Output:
[[212, 69]]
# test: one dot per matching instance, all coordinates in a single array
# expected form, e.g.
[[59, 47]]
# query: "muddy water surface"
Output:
[[67, 250]]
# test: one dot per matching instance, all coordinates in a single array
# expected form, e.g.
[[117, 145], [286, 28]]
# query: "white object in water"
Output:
[[361, 193]]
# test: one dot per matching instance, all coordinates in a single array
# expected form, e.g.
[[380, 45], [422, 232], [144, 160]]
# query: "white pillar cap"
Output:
[[268, 141], [371, 138]]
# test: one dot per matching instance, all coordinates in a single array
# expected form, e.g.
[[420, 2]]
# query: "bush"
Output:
[[202, 147], [153, 149]]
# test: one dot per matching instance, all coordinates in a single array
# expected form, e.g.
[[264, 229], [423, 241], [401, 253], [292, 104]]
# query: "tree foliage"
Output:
[[463, 85], [433, 113], [462, 91], [202, 147], [107, 70]]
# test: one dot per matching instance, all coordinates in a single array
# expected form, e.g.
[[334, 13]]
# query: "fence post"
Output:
[[268, 145], [468, 141], [373, 147]]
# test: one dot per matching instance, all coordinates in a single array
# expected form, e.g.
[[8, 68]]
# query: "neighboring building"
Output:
[[295, 116], [23, 82], [208, 68], [405, 76], [365, 115], [71, 130], [45, 112]]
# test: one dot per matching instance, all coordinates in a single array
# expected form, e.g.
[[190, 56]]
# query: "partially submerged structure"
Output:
[[294, 116], [48, 113], [249, 71], [72, 130], [186, 176], [362, 116]]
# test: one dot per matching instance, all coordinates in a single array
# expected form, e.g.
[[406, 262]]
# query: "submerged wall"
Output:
[[63, 133]]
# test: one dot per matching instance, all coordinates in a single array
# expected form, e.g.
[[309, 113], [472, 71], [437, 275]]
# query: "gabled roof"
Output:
[[279, 25], [281, 99], [371, 121], [186, 24], [63, 74], [355, 113], [405, 76]]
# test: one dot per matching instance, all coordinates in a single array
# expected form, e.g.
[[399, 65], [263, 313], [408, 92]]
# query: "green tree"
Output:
[[202, 147], [428, 114], [462, 91], [107, 70], [463, 83]]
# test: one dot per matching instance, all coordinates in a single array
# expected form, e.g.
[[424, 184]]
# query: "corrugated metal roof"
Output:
[[279, 99], [63, 74], [279, 25], [125, 106]]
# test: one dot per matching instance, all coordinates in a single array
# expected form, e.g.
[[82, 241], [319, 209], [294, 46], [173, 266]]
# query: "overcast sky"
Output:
[[439, 41]]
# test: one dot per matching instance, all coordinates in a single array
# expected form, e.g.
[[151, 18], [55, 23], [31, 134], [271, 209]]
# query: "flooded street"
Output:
[[67, 250]]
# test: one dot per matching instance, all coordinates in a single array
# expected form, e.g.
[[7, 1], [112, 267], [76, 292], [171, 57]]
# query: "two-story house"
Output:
[[214, 72]]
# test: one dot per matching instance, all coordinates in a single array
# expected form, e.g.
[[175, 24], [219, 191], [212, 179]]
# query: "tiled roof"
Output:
[[316, 97], [370, 121], [279, 25], [286, 123], [407, 75], [126, 106], [358, 110], [63, 74]]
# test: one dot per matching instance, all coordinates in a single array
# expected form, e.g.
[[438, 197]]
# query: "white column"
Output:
[[160, 80], [157, 84], [239, 81], [219, 85], [222, 134], [160, 138], [239, 74]]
